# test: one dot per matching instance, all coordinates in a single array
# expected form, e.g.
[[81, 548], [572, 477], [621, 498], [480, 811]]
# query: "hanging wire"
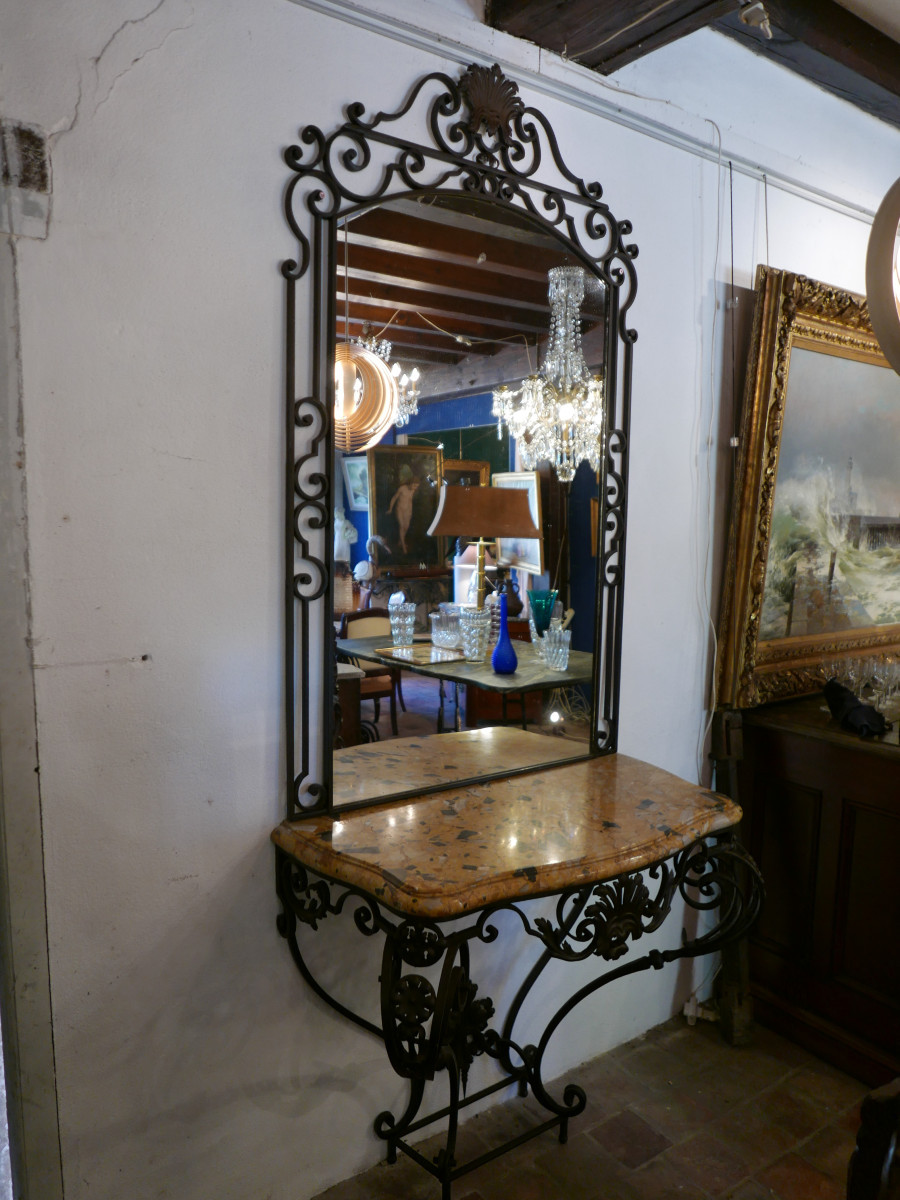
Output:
[[346, 280], [703, 593], [766, 203], [462, 338], [734, 403]]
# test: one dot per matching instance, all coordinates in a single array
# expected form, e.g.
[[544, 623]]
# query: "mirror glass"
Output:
[[458, 287]]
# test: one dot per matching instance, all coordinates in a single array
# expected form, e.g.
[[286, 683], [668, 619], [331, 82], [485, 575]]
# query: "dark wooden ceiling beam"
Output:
[[471, 321], [507, 308], [437, 275], [438, 234], [604, 34], [828, 45], [463, 261]]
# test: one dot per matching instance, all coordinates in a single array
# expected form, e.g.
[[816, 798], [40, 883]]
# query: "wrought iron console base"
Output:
[[432, 1018]]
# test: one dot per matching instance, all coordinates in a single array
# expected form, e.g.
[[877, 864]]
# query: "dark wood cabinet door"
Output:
[[822, 818]]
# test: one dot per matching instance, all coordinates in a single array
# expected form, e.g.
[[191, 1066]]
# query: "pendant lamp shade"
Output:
[[366, 398], [883, 275]]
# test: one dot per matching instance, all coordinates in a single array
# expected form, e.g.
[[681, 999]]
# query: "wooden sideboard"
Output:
[[822, 819]]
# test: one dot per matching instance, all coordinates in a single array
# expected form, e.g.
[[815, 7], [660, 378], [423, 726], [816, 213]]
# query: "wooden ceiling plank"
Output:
[[831, 30], [842, 79], [406, 249], [496, 319], [605, 34], [441, 232], [635, 43], [435, 275], [477, 303]]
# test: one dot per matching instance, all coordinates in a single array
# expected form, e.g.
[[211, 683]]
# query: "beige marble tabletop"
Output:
[[452, 852]]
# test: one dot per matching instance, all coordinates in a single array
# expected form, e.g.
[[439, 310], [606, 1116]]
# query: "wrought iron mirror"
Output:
[[488, 162]]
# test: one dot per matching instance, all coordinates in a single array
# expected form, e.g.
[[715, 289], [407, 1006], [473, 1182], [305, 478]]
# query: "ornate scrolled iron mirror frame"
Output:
[[484, 142]]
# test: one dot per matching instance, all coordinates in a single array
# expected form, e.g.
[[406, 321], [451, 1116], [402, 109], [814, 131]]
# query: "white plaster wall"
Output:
[[191, 1060]]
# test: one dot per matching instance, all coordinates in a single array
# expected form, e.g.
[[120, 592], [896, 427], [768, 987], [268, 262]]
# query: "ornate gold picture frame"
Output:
[[467, 471], [813, 567]]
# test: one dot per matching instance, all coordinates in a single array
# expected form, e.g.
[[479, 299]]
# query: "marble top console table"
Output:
[[609, 843]]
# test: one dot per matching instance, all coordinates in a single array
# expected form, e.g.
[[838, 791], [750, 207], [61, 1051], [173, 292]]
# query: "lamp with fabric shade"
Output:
[[482, 512]]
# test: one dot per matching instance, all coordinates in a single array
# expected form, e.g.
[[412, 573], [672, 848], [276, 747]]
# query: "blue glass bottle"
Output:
[[504, 660]]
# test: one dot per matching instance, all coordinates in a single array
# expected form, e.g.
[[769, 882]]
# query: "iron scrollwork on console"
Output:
[[433, 1018], [483, 143]]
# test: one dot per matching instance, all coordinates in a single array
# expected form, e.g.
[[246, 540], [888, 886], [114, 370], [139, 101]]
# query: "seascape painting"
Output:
[[834, 551]]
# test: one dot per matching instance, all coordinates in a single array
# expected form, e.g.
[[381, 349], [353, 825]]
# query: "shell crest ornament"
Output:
[[493, 99]]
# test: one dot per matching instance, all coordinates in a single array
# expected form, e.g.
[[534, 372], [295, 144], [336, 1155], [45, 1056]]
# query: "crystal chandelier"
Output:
[[557, 414], [407, 385]]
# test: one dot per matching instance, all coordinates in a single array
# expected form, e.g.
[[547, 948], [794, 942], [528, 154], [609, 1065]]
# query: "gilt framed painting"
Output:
[[813, 568]]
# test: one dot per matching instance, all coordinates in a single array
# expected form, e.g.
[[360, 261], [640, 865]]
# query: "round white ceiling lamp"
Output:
[[883, 276], [366, 398]]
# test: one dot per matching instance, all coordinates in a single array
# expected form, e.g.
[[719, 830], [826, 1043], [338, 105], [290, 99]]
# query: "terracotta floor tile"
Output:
[[581, 1170], [829, 1091], [829, 1150], [784, 1108], [505, 1121], [677, 1114], [747, 1132], [707, 1161], [609, 1088], [628, 1139], [659, 1180], [507, 1177], [793, 1179], [752, 1189], [652, 1066]]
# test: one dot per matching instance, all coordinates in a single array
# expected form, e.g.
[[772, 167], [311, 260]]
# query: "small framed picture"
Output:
[[467, 472], [356, 482], [526, 554]]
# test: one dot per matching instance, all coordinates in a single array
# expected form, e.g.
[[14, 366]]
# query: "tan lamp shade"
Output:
[[483, 512]]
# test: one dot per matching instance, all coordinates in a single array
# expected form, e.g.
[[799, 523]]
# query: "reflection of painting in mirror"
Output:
[[834, 550], [466, 472], [526, 554], [813, 569], [356, 480], [403, 496]]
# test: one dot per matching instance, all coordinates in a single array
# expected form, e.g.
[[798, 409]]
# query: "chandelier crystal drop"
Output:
[[557, 414], [407, 384]]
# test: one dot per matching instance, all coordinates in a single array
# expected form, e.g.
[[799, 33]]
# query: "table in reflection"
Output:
[[531, 675]]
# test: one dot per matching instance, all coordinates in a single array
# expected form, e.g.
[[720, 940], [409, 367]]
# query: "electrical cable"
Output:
[[462, 338], [703, 575]]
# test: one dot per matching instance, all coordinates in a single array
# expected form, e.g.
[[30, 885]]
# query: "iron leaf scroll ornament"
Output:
[[483, 141]]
